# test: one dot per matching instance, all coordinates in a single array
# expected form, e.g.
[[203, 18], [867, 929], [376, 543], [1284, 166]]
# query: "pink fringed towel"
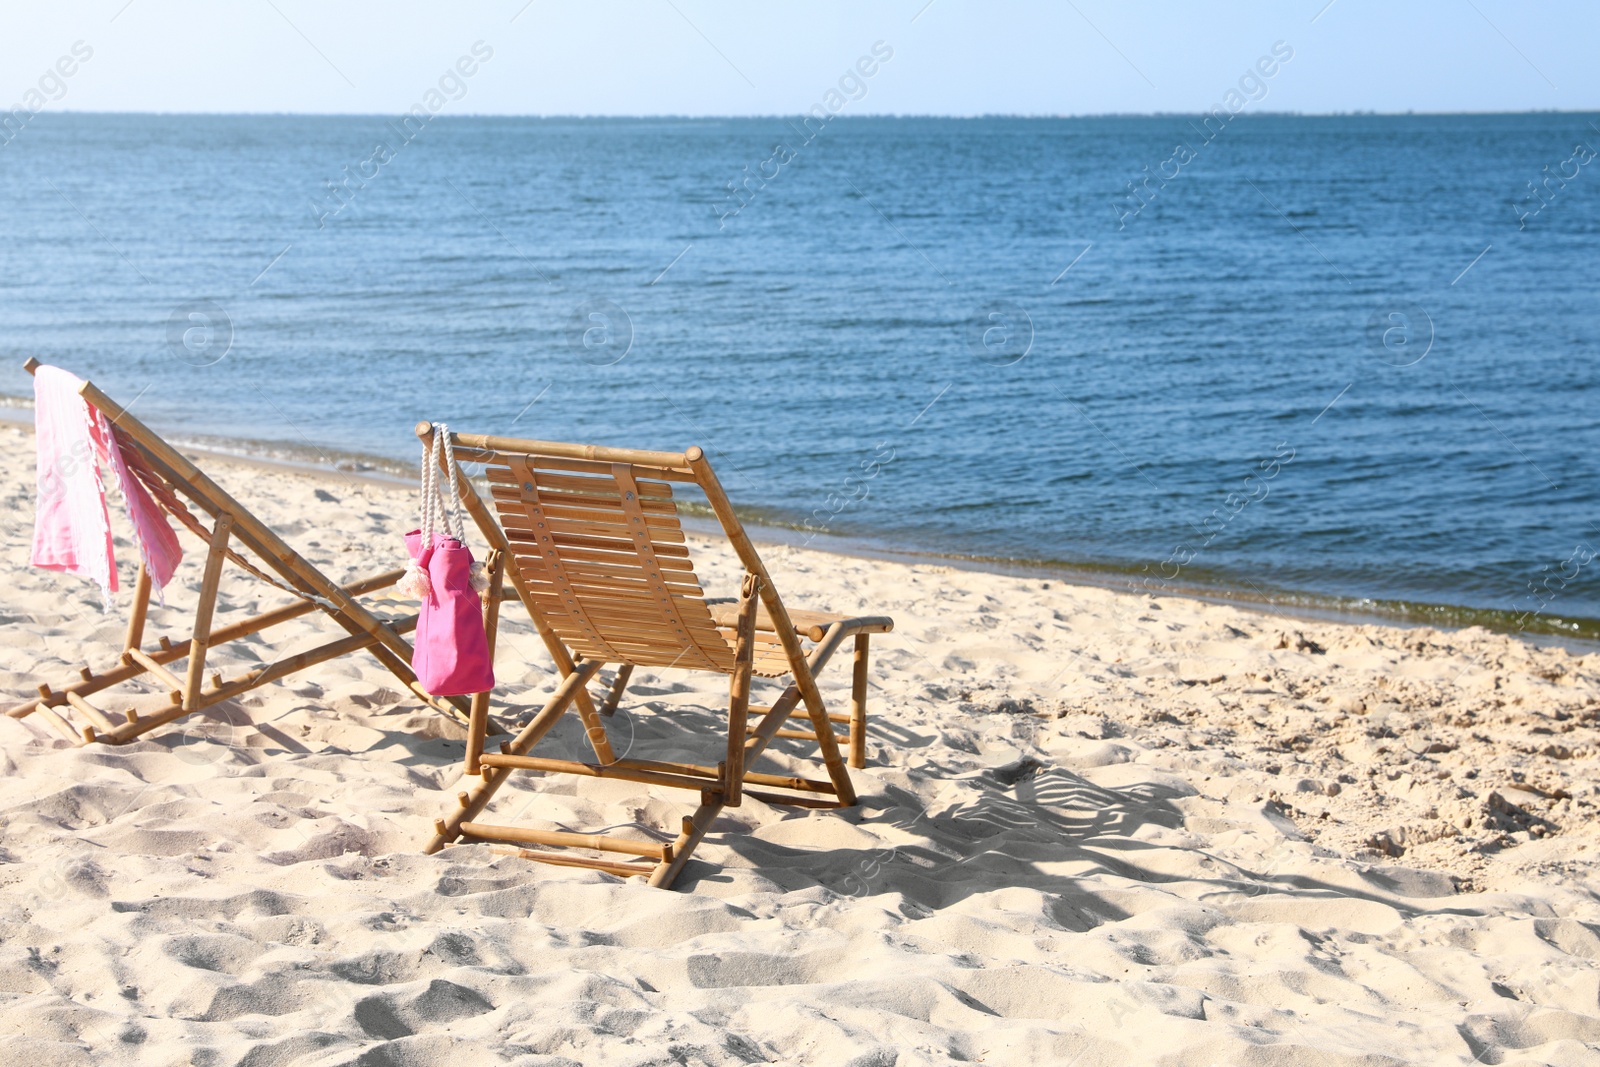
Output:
[[451, 657], [72, 527]]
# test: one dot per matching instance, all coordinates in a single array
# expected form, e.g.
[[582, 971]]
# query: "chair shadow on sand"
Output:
[[1025, 824], [1017, 819]]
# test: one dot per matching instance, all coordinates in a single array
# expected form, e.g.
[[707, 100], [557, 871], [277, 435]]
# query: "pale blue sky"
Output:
[[699, 57]]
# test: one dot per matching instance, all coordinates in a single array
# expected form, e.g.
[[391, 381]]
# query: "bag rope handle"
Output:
[[433, 507], [455, 523]]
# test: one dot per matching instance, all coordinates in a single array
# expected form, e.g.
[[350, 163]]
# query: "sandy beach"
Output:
[[1094, 829]]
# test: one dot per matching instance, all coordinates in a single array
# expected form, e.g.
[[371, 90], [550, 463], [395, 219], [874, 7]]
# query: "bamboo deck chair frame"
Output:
[[590, 540], [170, 476]]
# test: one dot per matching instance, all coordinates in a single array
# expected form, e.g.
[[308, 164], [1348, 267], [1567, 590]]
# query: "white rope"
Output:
[[428, 505], [442, 439], [436, 512]]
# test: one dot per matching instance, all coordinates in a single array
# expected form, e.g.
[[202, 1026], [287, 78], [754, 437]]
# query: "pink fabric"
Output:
[[158, 545], [451, 657], [71, 531], [72, 528]]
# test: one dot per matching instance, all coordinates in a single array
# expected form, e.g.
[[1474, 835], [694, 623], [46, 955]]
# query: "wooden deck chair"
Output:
[[597, 556], [170, 477]]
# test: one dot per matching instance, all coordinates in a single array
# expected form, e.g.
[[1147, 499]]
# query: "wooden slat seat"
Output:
[[620, 593]]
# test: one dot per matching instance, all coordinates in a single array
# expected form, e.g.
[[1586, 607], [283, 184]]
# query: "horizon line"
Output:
[[1036, 116]]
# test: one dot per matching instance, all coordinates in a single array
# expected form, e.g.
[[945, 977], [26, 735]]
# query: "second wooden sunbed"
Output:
[[590, 539]]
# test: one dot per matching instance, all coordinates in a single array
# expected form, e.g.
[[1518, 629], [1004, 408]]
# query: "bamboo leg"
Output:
[[141, 605], [821, 725], [479, 724], [614, 696], [542, 722], [474, 801], [858, 704], [803, 677], [203, 611], [827, 741], [595, 730], [694, 829], [739, 690]]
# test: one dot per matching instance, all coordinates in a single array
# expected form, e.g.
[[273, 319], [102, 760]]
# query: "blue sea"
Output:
[[1340, 363]]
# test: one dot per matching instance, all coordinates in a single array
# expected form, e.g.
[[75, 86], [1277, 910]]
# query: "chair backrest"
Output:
[[599, 552]]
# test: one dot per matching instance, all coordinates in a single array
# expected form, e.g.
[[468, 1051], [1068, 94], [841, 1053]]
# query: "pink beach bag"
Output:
[[451, 657]]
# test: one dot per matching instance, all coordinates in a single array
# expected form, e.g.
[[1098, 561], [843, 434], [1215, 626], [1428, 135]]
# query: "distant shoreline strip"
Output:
[[1578, 633]]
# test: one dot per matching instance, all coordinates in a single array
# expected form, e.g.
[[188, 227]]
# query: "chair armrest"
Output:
[[812, 624]]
